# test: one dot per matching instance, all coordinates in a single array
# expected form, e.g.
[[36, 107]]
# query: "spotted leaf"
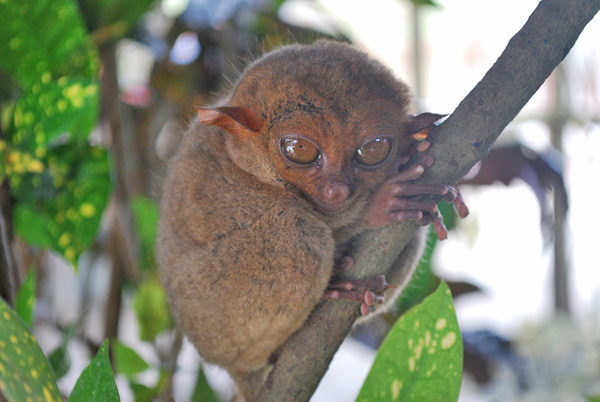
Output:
[[24, 371], [62, 209], [421, 359], [59, 181]]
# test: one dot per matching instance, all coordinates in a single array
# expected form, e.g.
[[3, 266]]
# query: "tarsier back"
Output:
[[313, 146]]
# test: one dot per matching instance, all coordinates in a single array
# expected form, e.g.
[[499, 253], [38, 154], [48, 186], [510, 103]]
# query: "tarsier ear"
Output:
[[236, 120], [419, 126]]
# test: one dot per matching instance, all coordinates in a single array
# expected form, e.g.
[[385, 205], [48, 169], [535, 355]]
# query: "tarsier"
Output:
[[313, 146]]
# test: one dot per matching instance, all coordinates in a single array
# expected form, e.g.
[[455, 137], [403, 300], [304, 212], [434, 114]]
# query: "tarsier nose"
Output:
[[336, 192]]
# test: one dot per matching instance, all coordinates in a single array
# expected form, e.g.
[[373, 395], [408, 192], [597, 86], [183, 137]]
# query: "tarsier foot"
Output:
[[367, 292]]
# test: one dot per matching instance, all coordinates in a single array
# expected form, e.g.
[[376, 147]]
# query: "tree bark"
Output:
[[460, 142]]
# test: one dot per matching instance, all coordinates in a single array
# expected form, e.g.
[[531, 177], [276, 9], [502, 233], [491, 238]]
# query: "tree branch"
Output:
[[460, 142]]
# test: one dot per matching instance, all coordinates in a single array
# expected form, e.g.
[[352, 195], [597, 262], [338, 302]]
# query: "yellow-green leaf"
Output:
[[64, 216], [421, 358], [24, 371], [127, 361], [152, 310], [25, 300]]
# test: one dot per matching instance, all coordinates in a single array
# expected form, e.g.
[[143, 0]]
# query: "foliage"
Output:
[[46, 41], [24, 370], [59, 358], [60, 182], [96, 383], [25, 299], [152, 311], [421, 359], [144, 393], [127, 361], [145, 214], [424, 281], [202, 391], [26, 375], [419, 3]]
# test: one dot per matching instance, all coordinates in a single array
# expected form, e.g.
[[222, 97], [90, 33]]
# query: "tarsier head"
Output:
[[325, 119]]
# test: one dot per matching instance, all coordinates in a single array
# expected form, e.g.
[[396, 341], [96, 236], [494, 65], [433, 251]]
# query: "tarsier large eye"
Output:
[[375, 152], [299, 150]]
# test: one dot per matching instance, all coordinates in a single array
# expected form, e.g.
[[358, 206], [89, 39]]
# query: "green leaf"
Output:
[[449, 214], [44, 40], [31, 226], [145, 214], [152, 310], [53, 112], [60, 359], [127, 361], [424, 3], [423, 282], [143, 393], [96, 383], [63, 209], [421, 359], [25, 300], [202, 391], [24, 370], [60, 182]]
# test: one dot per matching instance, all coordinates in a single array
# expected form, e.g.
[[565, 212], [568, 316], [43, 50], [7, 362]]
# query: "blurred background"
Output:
[[103, 91]]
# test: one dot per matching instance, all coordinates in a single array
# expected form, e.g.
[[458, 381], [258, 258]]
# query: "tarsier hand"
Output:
[[394, 202]]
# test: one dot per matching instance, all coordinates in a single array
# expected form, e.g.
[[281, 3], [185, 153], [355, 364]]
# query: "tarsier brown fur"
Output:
[[313, 146]]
